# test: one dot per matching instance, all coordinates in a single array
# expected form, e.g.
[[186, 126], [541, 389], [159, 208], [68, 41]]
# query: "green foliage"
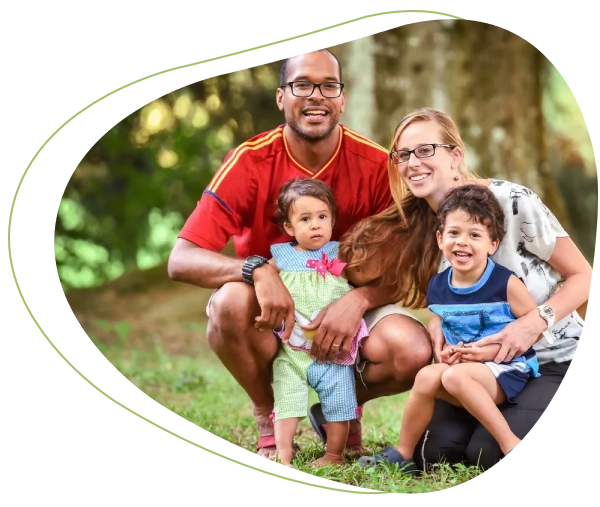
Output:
[[131, 193]]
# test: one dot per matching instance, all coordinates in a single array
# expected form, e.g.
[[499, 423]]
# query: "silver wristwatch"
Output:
[[547, 313]]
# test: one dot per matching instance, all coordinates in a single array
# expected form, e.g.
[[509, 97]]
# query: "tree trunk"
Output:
[[500, 103], [412, 72], [360, 79], [489, 80]]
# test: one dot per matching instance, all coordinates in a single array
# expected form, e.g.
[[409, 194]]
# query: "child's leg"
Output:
[[475, 387], [335, 386], [337, 434], [285, 430], [290, 390], [418, 410]]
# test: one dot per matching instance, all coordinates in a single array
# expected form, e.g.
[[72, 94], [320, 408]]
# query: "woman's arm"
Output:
[[577, 272], [546, 240], [522, 334]]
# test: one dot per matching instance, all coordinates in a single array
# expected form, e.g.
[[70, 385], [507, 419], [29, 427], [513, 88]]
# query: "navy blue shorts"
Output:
[[511, 380]]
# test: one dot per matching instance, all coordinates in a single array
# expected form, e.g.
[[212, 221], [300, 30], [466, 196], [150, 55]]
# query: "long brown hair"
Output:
[[402, 238]]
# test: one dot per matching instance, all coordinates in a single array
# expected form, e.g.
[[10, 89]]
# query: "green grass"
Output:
[[200, 390]]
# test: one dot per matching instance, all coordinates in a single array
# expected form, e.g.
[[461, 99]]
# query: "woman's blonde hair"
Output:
[[399, 244]]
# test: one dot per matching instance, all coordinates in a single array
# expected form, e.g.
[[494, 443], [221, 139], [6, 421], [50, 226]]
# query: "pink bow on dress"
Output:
[[335, 267]]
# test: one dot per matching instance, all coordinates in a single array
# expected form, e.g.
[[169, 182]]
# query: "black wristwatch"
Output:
[[250, 264]]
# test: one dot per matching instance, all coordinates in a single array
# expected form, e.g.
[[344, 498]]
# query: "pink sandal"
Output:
[[269, 441]]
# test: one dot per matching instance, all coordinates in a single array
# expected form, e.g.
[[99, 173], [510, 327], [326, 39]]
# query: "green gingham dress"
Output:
[[312, 287]]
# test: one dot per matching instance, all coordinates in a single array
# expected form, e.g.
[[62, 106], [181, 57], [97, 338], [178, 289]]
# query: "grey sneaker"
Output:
[[389, 455]]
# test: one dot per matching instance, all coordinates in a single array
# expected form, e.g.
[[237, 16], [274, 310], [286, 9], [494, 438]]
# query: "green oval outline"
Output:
[[62, 125]]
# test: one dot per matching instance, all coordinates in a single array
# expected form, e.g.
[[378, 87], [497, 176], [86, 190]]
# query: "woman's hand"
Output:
[[517, 337]]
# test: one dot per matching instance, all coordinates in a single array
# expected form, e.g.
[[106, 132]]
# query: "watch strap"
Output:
[[250, 264], [549, 337]]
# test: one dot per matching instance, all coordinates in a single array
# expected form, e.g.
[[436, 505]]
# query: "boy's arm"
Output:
[[478, 353], [450, 354], [519, 299]]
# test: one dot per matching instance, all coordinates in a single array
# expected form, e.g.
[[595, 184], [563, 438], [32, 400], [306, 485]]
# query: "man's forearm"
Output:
[[191, 264]]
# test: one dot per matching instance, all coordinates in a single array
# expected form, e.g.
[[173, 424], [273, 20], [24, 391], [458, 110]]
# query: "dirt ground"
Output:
[[149, 306]]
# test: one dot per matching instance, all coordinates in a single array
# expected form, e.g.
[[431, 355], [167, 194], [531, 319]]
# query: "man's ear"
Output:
[[279, 98]]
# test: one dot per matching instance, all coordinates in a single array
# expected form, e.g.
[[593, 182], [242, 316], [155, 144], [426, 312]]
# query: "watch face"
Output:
[[548, 311], [255, 259]]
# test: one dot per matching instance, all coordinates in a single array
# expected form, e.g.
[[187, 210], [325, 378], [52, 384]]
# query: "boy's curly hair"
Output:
[[479, 203]]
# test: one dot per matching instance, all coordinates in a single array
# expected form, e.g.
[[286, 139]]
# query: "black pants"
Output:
[[455, 436]]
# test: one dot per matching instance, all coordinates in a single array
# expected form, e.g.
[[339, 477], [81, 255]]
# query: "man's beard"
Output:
[[309, 136]]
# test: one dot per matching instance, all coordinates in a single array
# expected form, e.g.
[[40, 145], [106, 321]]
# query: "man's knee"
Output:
[[409, 347], [232, 304], [232, 310]]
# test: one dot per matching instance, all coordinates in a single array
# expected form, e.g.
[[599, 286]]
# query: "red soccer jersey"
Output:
[[240, 200]]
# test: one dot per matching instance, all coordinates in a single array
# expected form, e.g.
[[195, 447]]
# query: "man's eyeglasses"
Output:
[[423, 151], [306, 89]]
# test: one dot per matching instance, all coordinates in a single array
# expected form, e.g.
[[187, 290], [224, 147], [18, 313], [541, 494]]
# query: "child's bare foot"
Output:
[[285, 456], [328, 459]]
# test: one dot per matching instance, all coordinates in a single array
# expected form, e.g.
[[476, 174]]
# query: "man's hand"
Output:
[[275, 302], [516, 337], [476, 353], [336, 326], [434, 327]]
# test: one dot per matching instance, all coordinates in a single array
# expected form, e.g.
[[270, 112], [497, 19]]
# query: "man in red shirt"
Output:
[[251, 299]]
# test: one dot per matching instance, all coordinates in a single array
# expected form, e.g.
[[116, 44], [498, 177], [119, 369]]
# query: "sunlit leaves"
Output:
[[133, 190]]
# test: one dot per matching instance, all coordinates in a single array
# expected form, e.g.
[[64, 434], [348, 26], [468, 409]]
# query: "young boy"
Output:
[[474, 298]]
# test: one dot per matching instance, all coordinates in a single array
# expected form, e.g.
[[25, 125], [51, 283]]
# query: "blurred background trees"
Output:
[[132, 192]]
